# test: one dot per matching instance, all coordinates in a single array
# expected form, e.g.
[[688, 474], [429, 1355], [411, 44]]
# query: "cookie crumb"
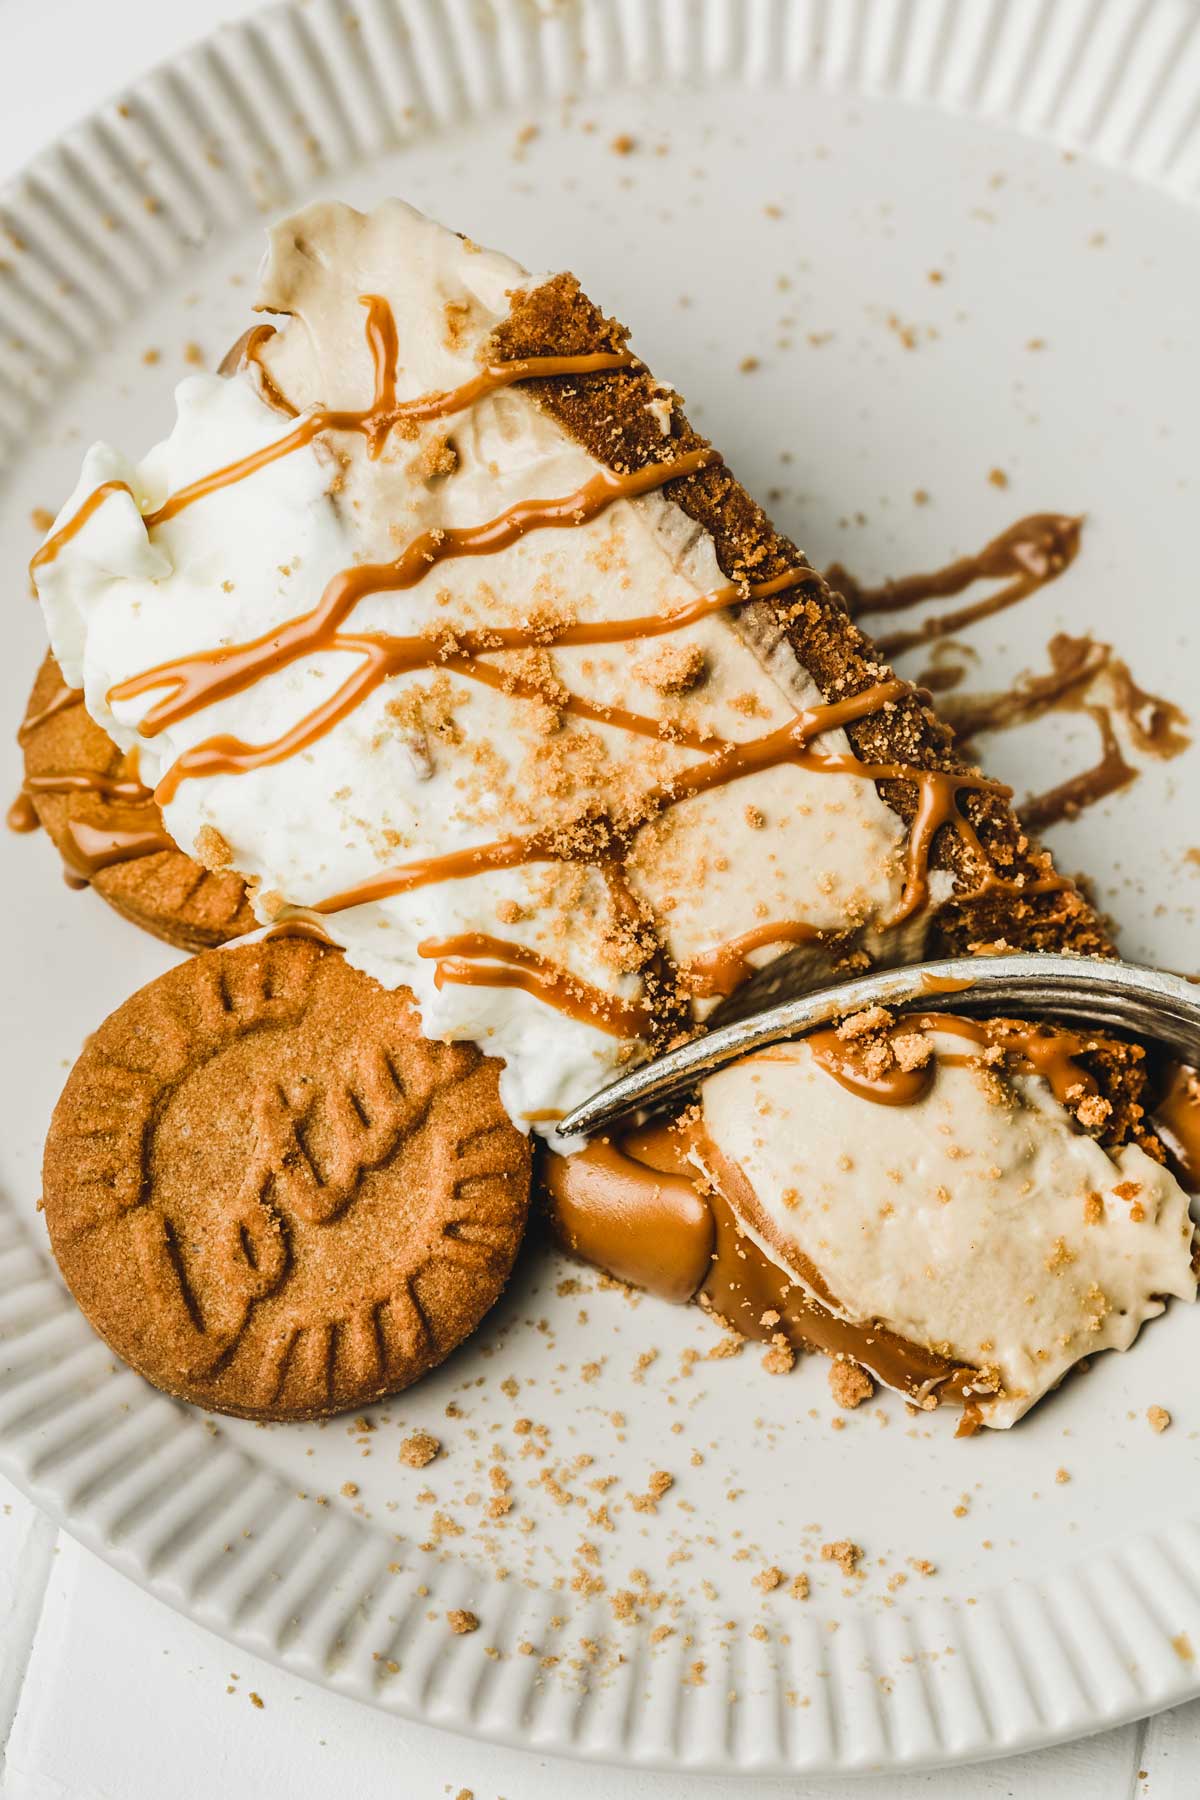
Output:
[[1159, 1418], [844, 1552], [461, 1621], [1093, 1111], [659, 1484], [675, 669], [849, 1384], [419, 1449], [211, 849]]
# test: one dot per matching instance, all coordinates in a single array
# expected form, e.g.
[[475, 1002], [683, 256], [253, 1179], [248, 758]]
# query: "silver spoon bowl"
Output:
[[1151, 1004]]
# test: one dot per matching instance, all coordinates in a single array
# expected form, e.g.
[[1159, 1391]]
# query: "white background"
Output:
[[107, 1695]]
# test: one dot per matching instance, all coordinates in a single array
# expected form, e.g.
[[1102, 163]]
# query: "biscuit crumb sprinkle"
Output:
[[660, 1483], [419, 1449], [849, 1384], [845, 1553], [211, 849], [780, 1359]]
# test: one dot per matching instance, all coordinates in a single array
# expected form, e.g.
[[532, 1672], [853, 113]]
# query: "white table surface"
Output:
[[106, 1694]]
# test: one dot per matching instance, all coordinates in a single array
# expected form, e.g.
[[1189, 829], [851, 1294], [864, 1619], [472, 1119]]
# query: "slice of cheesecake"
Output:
[[926, 1197], [438, 621]]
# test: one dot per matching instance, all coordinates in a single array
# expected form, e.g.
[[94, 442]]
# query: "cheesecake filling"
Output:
[[391, 644], [947, 1224]]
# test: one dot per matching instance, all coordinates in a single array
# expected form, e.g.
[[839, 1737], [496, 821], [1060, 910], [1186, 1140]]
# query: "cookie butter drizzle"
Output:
[[133, 830], [22, 815], [197, 681], [61, 700], [722, 971], [1177, 1118], [104, 843], [1035, 1049], [1033, 552], [515, 965], [1030, 554]]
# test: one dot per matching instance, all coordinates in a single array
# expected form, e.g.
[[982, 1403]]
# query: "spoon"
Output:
[[1096, 991]]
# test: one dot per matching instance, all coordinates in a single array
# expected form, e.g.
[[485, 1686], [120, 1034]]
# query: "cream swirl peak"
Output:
[[394, 644]]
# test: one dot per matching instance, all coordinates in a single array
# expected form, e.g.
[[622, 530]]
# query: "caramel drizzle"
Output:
[[1029, 554], [990, 879], [1177, 1120], [197, 681], [93, 847], [62, 700], [374, 423], [90, 852], [1156, 725], [246, 354], [1039, 1050], [1034, 551], [90, 781], [722, 970], [453, 865], [194, 682], [1067, 799], [298, 926], [937, 792], [22, 815], [510, 965], [75, 524]]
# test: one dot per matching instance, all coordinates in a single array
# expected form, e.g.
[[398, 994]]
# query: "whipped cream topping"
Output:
[[432, 763], [979, 1220]]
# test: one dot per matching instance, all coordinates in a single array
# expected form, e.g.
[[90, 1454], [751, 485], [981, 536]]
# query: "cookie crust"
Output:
[[617, 418], [164, 891]]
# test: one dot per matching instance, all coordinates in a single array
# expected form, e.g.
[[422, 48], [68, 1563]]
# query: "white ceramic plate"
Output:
[[798, 172]]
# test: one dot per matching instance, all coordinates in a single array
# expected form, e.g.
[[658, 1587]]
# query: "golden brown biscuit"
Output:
[[109, 832], [271, 1195]]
